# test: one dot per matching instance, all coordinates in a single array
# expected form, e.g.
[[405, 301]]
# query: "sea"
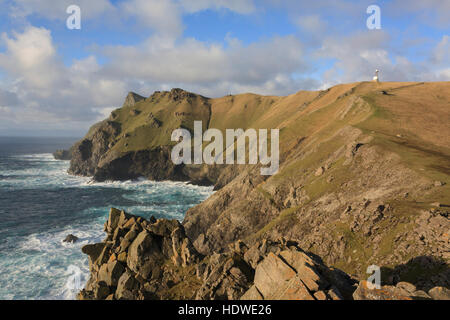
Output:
[[40, 204]]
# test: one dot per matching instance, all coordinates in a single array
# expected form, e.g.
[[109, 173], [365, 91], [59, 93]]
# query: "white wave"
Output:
[[42, 261], [37, 267]]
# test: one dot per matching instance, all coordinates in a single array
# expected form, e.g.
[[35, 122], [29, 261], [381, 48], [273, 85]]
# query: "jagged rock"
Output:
[[143, 254], [319, 172], [71, 239], [131, 99], [126, 287], [402, 291], [101, 291], [63, 154], [110, 273], [93, 251], [154, 259], [439, 293], [113, 220], [252, 294], [276, 280], [293, 275], [88, 152]]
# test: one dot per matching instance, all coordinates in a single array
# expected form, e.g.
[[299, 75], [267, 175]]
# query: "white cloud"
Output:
[[162, 15], [194, 63], [44, 90], [30, 58], [8, 99], [39, 90], [56, 10], [441, 54], [431, 12], [239, 6], [358, 55], [311, 23]]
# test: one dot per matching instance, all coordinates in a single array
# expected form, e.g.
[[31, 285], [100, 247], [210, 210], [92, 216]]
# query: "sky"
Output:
[[56, 81]]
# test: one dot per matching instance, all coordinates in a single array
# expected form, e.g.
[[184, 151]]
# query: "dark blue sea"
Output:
[[40, 204]]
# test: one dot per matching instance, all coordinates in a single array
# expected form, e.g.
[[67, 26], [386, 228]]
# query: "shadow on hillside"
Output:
[[425, 272]]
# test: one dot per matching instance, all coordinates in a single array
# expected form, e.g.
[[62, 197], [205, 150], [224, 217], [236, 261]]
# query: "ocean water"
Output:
[[40, 204]]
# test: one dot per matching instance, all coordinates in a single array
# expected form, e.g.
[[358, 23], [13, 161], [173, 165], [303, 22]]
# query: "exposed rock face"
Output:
[[71, 239], [153, 259], [86, 154], [117, 149], [294, 275], [402, 291], [63, 154], [131, 99], [139, 259]]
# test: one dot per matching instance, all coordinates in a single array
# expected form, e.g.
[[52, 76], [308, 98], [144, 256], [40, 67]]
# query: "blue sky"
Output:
[[56, 81]]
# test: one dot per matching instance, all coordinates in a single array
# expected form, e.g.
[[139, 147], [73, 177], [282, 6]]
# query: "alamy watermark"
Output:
[[73, 22], [215, 153], [374, 281], [374, 20]]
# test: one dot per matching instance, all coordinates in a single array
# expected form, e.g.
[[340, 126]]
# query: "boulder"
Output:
[[110, 273], [62, 154], [71, 239], [319, 172], [439, 293], [113, 220], [126, 286], [144, 255], [93, 251], [291, 274], [402, 291]]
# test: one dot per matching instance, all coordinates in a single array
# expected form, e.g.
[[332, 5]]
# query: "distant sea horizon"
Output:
[[36, 144]]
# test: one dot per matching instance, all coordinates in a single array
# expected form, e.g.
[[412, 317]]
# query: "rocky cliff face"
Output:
[[153, 259], [363, 178], [135, 141], [63, 154]]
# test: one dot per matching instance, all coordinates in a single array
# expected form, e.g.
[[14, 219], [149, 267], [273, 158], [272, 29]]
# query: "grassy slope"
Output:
[[138, 131], [408, 119]]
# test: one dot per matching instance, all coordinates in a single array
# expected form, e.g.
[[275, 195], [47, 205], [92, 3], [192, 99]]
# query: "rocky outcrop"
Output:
[[131, 99], [139, 259], [71, 239], [154, 259], [291, 274], [118, 149], [63, 154], [401, 291], [87, 153]]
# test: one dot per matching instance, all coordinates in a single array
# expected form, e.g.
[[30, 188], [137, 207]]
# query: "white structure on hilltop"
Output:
[[376, 78]]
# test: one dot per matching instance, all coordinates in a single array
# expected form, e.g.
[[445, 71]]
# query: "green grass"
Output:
[[284, 215]]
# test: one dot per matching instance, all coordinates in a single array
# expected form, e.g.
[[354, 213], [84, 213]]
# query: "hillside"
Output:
[[364, 172]]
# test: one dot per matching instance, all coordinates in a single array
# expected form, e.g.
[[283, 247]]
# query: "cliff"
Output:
[[363, 180]]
